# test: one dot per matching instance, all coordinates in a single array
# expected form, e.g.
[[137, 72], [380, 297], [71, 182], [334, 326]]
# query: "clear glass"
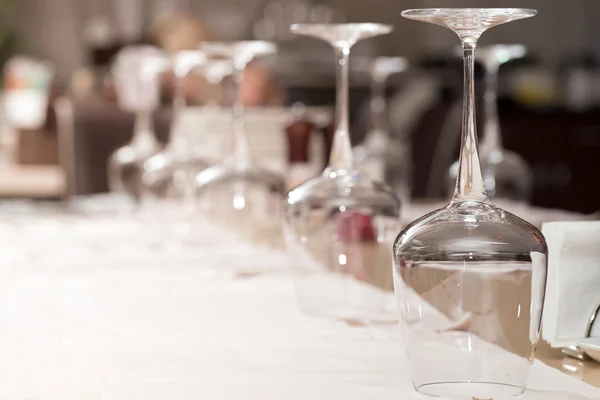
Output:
[[238, 192], [215, 71], [470, 277], [340, 226], [135, 72], [168, 176], [126, 164], [506, 174], [381, 156]]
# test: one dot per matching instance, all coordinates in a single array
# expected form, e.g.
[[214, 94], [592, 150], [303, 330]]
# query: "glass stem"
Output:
[[378, 105], [181, 141], [341, 149], [179, 95], [491, 139], [176, 136], [469, 184], [241, 149], [143, 129], [213, 107]]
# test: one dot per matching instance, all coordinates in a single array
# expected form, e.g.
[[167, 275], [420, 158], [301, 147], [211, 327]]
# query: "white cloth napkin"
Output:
[[573, 288]]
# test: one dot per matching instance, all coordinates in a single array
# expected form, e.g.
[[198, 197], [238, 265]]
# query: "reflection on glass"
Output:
[[470, 277], [381, 156], [238, 191], [340, 226], [505, 173]]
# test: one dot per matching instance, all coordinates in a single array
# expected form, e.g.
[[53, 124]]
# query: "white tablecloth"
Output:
[[534, 215], [93, 307]]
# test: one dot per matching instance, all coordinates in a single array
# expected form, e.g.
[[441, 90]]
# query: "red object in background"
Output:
[[353, 226], [298, 135], [14, 82]]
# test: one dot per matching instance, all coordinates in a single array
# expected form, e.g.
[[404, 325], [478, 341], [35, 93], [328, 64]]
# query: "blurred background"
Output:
[[549, 101]]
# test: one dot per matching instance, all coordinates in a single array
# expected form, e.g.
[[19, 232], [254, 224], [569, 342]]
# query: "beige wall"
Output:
[[47, 28], [555, 30], [50, 27]]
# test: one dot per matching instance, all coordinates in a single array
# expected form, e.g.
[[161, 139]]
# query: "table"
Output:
[[99, 305], [587, 371], [34, 181]]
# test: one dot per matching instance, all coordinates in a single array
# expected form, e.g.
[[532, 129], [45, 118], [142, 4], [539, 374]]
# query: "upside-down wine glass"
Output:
[[168, 175], [339, 227], [380, 155], [238, 192], [505, 174], [470, 277], [135, 72], [215, 71]]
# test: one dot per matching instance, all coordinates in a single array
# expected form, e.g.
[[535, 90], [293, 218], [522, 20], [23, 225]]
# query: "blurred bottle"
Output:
[[580, 82], [536, 86]]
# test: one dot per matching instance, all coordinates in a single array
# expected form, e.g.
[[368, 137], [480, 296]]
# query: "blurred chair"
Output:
[[88, 132], [39, 146], [34, 171]]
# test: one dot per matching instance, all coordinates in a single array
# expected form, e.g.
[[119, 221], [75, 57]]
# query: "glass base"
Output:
[[469, 390], [506, 176]]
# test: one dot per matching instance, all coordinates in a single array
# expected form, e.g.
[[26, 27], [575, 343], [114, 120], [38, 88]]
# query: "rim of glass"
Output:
[[185, 60], [188, 54], [453, 11]]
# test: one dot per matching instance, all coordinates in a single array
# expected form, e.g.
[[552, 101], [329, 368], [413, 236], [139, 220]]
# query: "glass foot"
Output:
[[469, 22], [248, 49], [336, 34]]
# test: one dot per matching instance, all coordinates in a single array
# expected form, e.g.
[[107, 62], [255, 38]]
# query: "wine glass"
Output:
[[135, 73], [169, 174], [380, 156], [470, 277], [239, 192], [505, 173], [340, 226], [215, 71]]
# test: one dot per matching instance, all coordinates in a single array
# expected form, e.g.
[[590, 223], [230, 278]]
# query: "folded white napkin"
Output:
[[573, 288]]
